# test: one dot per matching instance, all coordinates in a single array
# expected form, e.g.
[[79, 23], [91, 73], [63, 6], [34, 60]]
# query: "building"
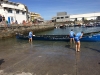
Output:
[[88, 16], [61, 17], [61, 13], [13, 11], [29, 16], [78, 18], [35, 16]]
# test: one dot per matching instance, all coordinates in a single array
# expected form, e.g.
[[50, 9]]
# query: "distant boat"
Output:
[[62, 26], [89, 26], [98, 25], [76, 25]]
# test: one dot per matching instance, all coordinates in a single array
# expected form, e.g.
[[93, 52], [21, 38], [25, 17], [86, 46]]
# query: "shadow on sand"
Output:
[[70, 47], [1, 61], [97, 50]]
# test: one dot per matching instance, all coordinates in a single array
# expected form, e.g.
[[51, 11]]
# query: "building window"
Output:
[[17, 11], [5, 8], [62, 17], [9, 11], [58, 17], [66, 16], [75, 19], [82, 18], [23, 13]]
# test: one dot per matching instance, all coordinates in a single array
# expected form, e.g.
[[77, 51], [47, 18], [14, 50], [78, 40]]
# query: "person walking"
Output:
[[30, 36], [72, 34], [77, 38]]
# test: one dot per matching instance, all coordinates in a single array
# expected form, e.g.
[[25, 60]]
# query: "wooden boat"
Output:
[[45, 37], [92, 38]]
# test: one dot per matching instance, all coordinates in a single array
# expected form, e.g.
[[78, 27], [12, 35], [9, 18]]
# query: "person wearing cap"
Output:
[[71, 35], [77, 38]]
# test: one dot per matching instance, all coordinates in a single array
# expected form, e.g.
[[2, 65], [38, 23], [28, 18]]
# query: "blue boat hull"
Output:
[[45, 37], [93, 38]]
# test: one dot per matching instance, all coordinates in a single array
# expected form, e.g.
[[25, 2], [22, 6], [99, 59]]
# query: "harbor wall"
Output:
[[8, 32]]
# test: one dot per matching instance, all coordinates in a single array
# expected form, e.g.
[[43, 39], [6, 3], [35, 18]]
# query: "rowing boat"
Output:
[[45, 37], [92, 38]]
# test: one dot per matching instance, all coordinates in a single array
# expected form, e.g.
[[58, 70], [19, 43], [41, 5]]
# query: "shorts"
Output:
[[29, 37], [76, 39], [71, 36]]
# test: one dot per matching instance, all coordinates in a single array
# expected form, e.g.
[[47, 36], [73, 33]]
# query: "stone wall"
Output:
[[7, 32]]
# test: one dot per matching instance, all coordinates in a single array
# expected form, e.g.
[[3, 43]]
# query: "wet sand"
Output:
[[48, 58]]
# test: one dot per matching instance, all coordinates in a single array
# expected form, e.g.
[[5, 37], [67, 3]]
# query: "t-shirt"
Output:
[[71, 33], [79, 34], [30, 34]]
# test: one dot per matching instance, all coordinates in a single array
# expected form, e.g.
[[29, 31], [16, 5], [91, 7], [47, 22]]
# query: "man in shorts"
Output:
[[30, 36], [72, 36], [77, 40]]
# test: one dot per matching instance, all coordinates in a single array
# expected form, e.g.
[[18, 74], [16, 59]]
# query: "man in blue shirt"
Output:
[[72, 36], [77, 38], [30, 36]]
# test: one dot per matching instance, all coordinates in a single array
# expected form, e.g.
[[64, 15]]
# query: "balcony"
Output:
[[13, 7]]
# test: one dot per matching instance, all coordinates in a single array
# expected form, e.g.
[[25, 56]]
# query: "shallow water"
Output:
[[15, 44], [59, 31], [20, 56]]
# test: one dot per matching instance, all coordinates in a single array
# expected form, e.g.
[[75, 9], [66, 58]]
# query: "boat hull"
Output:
[[45, 37], [93, 38]]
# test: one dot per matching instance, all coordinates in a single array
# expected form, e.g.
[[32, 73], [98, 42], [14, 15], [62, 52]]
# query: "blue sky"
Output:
[[48, 8]]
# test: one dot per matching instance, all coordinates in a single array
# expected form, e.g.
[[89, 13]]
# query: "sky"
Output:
[[49, 8]]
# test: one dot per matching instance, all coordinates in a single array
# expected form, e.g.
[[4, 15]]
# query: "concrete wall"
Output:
[[11, 31]]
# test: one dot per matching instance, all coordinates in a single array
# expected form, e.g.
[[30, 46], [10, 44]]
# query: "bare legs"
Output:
[[30, 39], [78, 46], [72, 40]]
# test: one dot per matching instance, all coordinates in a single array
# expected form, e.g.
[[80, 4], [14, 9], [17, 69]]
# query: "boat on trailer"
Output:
[[91, 38]]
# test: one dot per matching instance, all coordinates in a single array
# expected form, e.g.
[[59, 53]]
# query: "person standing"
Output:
[[72, 34], [4, 21], [0, 18], [30, 36], [3, 18], [16, 22], [77, 38]]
